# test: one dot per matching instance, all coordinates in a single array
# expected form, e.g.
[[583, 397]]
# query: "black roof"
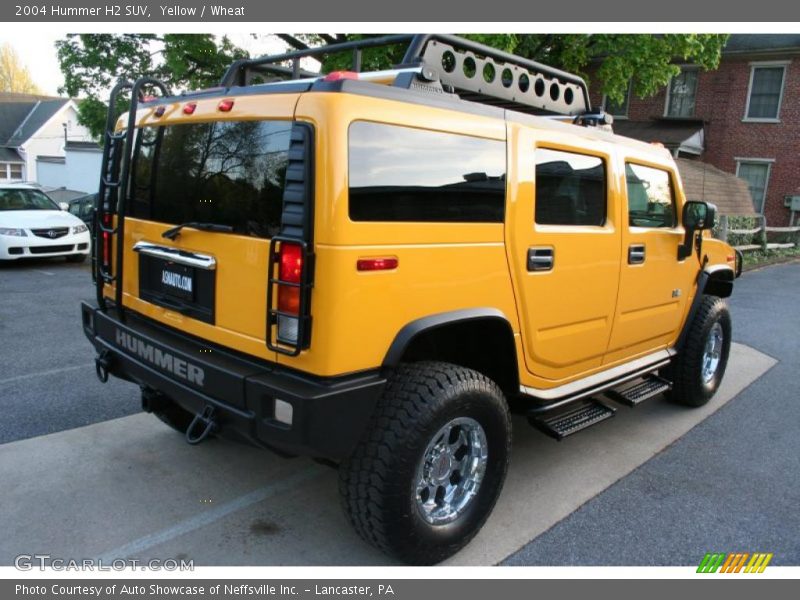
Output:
[[9, 155], [762, 42], [19, 120]]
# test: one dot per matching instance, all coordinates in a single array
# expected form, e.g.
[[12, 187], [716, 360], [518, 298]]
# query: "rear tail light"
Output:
[[290, 275], [106, 241]]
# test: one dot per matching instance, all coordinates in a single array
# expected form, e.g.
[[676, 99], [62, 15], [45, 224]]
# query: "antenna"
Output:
[[703, 183]]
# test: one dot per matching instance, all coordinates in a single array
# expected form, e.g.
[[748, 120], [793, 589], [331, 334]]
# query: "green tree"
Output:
[[607, 59], [14, 76], [93, 63]]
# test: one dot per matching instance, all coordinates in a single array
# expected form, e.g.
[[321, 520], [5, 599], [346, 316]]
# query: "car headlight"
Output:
[[15, 232], [80, 228]]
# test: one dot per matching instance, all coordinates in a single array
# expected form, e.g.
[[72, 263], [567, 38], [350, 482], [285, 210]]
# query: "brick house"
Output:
[[743, 118]]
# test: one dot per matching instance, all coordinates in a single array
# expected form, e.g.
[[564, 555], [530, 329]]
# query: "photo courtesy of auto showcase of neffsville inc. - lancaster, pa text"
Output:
[[500, 304]]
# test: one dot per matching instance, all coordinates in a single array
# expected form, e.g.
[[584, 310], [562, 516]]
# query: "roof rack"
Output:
[[474, 71]]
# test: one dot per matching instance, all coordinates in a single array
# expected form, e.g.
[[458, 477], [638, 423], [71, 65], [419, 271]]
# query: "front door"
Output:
[[654, 284]]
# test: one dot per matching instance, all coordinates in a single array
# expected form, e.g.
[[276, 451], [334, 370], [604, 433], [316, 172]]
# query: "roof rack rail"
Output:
[[474, 71]]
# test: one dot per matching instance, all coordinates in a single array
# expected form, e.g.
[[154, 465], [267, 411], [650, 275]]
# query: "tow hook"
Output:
[[206, 420], [102, 363]]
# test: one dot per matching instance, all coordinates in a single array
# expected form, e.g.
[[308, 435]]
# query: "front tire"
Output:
[[431, 464], [698, 370]]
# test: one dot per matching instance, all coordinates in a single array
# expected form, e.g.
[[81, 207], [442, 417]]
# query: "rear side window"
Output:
[[570, 188], [403, 174], [227, 172], [651, 201]]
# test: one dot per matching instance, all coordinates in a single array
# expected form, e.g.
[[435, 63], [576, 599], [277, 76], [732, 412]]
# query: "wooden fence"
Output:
[[759, 234]]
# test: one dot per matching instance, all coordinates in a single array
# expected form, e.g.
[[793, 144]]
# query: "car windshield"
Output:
[[23, 199]]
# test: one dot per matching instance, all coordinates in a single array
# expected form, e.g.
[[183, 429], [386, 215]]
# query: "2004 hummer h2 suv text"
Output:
[[367, 268]]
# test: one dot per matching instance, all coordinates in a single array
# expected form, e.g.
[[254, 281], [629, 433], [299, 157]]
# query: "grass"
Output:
[[758, 258]]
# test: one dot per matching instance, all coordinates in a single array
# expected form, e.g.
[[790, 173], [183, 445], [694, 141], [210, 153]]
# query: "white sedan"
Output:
[[32, 225]]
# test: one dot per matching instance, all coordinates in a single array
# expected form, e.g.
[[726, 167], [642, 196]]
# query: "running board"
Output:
[[639, 391], [599, 382], [571, 419]]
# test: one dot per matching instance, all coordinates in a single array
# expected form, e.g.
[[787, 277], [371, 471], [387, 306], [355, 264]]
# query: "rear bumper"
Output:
[[328, 415]]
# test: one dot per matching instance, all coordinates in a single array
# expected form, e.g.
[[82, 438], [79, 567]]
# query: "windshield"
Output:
[[24, 199], [227, 173]]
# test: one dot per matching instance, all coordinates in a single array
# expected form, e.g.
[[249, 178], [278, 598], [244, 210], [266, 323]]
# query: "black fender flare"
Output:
[[415, 328], [716, 280]]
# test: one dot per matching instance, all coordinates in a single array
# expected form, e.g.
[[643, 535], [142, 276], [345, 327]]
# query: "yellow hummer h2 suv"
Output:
[[373, 268]]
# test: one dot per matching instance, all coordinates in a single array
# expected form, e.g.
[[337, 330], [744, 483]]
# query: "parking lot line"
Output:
[[208, 517], [45, 373]]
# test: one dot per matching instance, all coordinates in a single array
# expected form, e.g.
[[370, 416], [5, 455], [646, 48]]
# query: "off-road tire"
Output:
[[77, 258], [377, 483], [686, 371]]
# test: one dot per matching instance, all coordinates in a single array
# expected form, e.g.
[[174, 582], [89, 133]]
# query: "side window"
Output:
[[651, 200], [570, 188], [75, 208], [412, 175], [87, 207]]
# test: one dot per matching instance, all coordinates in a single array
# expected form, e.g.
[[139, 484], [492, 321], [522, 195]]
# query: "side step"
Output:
[[572, 419], [639, 391]]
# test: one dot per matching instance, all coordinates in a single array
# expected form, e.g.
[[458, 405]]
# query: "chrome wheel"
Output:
[[451, 470], [712, 352]]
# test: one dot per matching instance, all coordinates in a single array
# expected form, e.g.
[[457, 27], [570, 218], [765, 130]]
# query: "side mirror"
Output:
[[697, 216], [63, 206]]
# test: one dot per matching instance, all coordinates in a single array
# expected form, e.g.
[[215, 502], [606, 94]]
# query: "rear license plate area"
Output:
[[181, 288]]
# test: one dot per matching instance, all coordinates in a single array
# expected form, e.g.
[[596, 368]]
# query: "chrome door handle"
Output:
[[636, 254], [541, 258]]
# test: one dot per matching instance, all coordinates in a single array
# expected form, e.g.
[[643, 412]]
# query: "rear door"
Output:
[[654, 285], [565, 249], [228, 172]]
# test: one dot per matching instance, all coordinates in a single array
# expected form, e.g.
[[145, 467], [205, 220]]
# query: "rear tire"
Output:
[[431, 464], [698, 370]]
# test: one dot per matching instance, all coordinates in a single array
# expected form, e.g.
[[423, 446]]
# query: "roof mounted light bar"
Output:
[[483, 74], [474, 71]]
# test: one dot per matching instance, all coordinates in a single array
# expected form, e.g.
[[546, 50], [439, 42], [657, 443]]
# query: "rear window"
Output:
[[228, 173], [404, 174]]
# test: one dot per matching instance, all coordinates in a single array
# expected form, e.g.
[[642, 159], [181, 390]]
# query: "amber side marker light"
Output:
[[386, 263], [339, 75]]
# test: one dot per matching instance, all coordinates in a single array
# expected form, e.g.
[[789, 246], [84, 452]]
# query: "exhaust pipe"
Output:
[[102, 365]]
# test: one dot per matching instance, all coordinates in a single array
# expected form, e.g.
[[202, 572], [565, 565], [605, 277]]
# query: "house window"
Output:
[[618, 109], [756, 173], [11, 171], [766, 90], [681, 94]]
